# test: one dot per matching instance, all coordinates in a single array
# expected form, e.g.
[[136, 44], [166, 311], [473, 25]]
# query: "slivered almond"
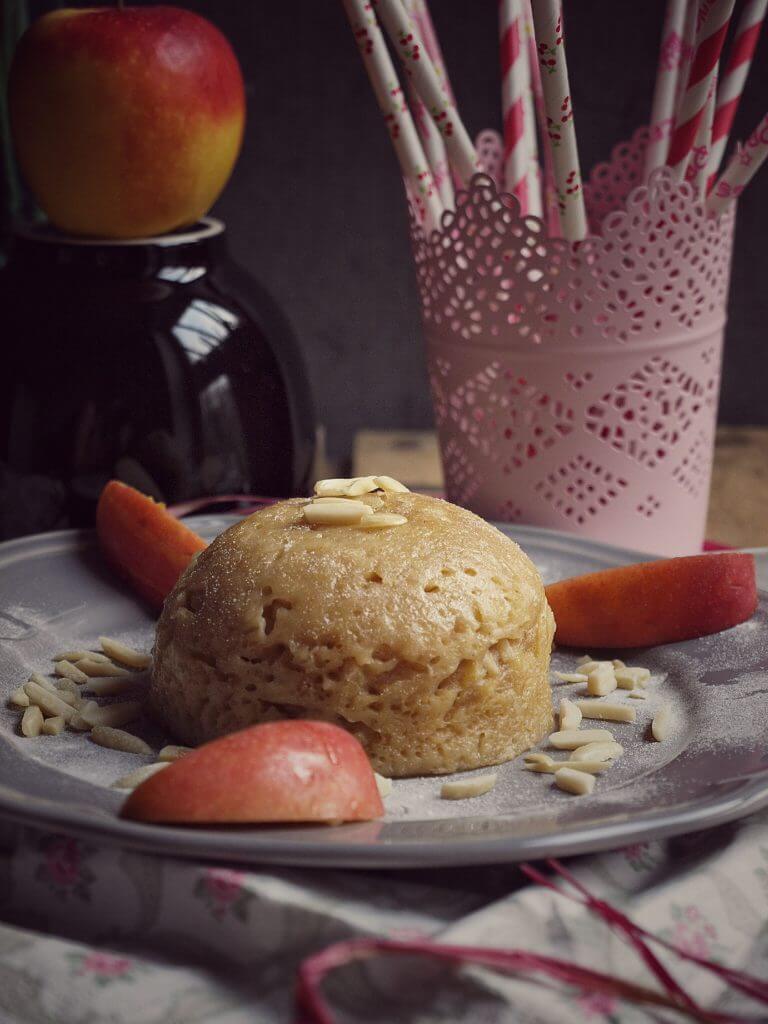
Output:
[[72, 656], [69, 698], [173, 753], [69, 671], [537, 758], [572, 781], [118, 739], [601, 680], [570, 714], [584, 658], [19, 699], [593, 767], [53, 726], [110, 686], [570, 677], [31, 721], [638, 694], [602, 750], [113, 715], [100, 669], [362, 485], [77, 721], [336, 513], [50, 703], [124, 654], [383, 784], [464, 789], [67, 686], [388, 483], [46, 684], [606, 711], [590, 666], [661, 726], [134, 779], [382, 520], [571, 739], [629, 678], [618, 663]]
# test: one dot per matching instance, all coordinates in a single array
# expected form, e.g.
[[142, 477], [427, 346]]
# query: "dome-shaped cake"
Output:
[[429, 639]]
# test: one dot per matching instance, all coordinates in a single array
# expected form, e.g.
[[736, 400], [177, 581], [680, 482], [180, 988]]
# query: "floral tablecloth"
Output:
[[95, 935]]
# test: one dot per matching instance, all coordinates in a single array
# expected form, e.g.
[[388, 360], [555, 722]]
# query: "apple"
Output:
[[289, 771], [654, 602], [126, 121]]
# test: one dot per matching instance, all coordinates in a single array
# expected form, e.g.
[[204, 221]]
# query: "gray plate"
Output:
[[54, 593]]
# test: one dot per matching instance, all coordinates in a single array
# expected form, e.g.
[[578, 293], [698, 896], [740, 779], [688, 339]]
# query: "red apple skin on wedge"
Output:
[[290, 771], [126, 122], [654, 602]]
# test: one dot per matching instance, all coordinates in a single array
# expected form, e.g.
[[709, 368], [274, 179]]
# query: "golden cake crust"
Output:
[[430, 641]]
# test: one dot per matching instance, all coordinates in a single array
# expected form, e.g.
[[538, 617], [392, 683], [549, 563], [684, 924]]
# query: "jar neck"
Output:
[[181, 256]]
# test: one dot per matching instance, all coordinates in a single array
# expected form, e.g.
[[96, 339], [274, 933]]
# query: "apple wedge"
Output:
[[143, 541], [290, 771], [654, 602]]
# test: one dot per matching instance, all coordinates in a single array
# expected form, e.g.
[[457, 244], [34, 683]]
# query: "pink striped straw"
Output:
[[517, 107], [742, 166], [410, 48], [548, 26], [671, 60], [712, 26], [733, 78]]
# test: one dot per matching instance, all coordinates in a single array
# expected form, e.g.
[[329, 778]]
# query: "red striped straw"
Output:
[[733, 78], [553, 68], [517, 107], [712, 26], [670, 67]]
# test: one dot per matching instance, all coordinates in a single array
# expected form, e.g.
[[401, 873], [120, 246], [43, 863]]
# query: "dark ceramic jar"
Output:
[[156, 361]]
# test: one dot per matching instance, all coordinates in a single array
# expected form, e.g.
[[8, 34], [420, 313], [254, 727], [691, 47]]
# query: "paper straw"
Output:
[[423, 19], [547, 22], [665, 90], [389, 95], [411, 50], [734, 76], [687, 50], [432, 140], [517, 104], [546, 187], [713, 18], [696, 171], [741, 167], [434, 149], [490, 149]]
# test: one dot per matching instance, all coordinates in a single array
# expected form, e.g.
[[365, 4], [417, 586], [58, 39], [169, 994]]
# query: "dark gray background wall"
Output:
[[316, 210]]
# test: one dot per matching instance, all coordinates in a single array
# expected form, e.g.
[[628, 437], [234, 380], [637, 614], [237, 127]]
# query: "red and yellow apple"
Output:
[[126, 121], [654, 602], [291, 771]]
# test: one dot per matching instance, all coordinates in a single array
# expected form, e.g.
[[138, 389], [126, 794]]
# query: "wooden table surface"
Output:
[[738, 506]]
